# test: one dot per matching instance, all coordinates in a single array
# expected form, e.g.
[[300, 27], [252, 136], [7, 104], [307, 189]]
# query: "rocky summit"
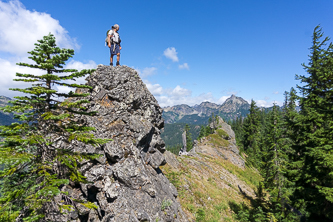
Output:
[[125, 182]]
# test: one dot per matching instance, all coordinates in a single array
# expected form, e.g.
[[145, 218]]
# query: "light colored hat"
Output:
[[115, 26]]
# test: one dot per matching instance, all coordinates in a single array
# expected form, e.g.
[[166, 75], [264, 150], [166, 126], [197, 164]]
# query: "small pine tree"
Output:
[[189, 142], [202, 132], [35, 165]]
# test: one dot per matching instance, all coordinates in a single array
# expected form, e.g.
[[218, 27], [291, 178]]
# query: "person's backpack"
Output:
[[106, 39]]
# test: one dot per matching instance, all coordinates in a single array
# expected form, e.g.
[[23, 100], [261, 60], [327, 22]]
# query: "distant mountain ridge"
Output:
[[5, 118], [233, 107], [4, 101]]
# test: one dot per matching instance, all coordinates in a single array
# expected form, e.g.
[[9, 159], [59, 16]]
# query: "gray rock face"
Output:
[[126, 183], [229, 152]]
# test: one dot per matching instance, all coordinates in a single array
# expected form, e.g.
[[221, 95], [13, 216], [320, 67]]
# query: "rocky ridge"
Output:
[[233, 107], [212, 176], [125, 182], [221, 144]]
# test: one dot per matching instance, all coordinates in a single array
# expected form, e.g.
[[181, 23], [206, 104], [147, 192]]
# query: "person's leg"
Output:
[[118, 59], [111, 60], [111, 56]]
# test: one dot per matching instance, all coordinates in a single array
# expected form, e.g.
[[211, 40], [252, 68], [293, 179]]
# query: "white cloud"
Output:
[[8, 73], [176, 96], [184, 66], [266, 103], [222, 99], [21, 28], [179, 92], [79, 65], [155, 89], [277, 92], [168, 100], [148, 71], [171, 53]]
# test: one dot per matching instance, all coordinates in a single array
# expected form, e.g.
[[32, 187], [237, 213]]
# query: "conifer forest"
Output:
[[292, 146]]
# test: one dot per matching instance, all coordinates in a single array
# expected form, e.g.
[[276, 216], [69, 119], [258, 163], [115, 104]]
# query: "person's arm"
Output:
[[109, 41], [109, 38]]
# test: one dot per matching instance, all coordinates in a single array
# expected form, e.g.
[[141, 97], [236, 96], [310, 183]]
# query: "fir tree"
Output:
[[36, 167], [189, 142], [275, 161], [314, 145], [252, 129], [202, 132]]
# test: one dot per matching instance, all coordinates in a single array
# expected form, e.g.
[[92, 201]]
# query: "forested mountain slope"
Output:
[[213, 178]]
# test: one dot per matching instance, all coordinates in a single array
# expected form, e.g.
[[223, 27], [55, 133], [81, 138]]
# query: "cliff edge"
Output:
[[126, 183]]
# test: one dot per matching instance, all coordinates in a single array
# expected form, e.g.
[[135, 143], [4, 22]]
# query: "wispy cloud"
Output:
[[177, 95], [222, 99], [79, 65], [148, 71], [155, 89], [184, 66], [171, 53], [267, 103]]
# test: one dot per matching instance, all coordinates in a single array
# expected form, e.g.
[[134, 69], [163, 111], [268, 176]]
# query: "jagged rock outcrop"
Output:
[[126, 183], [212, 175], [222, 143]]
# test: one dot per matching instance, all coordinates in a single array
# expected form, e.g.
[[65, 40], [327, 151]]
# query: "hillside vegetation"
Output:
[[211, 179]]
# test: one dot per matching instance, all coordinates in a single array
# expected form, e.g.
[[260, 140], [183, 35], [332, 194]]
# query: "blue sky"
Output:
[[186, 51]]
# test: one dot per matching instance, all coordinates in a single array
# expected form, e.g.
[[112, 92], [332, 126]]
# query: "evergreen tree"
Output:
[[275, 161], [189, 142], [251, 141], [36, 167], [314, 145], [237, 127], [291, 133], [202, 132]]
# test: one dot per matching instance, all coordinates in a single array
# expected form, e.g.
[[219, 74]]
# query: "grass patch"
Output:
[[218, 141], [222, 133], [248, 175], [203, 195]]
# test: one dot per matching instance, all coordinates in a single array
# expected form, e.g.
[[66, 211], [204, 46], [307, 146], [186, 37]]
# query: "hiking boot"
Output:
[[117, 64], [111, 64]]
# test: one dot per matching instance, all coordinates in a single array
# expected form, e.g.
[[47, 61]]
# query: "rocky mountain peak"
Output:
[[235, 100], [125, 182], [233, 104], [208, 105]]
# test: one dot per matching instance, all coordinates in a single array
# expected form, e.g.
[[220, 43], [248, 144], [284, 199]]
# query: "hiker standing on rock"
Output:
[[114, 44]]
